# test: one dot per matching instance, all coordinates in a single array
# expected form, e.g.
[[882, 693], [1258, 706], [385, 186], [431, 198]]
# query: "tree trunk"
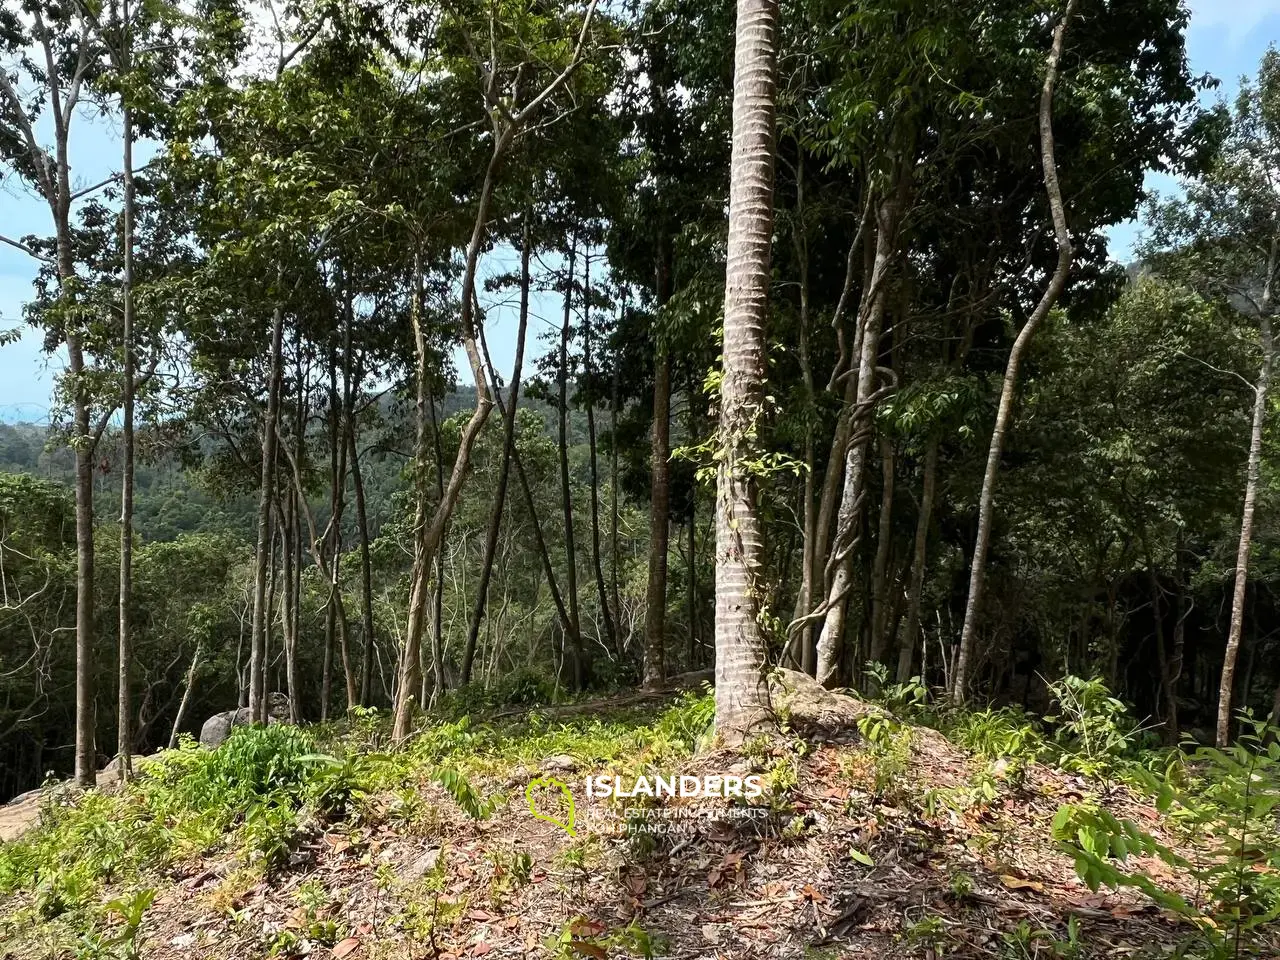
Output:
[[601, 590], [337, 504], [840, 569], [742, 696], [258, 632], [1004, 414], [655, 610], [504, 473], [188, 688], [613, 508], [799, 654], [906, 652], [366, 566], [562, 614], [880, 567], [566, 491], [1246, 521], [124, 708]]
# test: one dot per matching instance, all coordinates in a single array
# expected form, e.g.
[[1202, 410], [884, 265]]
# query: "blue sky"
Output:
[[1226, 38]]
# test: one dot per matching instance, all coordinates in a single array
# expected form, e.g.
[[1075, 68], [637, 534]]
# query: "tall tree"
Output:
[[742, 698], [1009, 386]]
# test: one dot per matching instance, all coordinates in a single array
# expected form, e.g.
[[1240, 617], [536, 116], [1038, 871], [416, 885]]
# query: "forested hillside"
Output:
[[822, 375]]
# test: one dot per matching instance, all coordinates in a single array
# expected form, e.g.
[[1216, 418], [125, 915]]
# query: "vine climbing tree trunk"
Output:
[[977, 573], [742, 696]]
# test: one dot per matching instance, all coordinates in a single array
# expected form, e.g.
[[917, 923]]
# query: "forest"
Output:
[[438, 359]]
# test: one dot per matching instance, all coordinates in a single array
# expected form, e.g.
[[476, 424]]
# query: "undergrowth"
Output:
[[89, 870]]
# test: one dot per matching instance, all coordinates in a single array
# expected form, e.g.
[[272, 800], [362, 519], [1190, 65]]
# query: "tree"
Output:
[[1224, 240], [1057, 281], [742, 698], [63, 37]]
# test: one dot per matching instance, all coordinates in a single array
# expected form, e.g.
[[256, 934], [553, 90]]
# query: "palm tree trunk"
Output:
[[742, 696], [1004, 414]]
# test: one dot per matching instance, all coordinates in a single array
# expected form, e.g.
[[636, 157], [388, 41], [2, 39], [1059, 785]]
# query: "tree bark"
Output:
[[1246, 521], [742, 696], [1004, 414]]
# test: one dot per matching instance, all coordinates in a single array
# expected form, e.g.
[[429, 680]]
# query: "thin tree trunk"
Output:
[[337, 503], [692, 585], [288, 525], [548, 570], [879, 643], [968, 637], [566, 491], [906, 652], [840, 568], [437, 616], [1167, 691], [186, 694], [1246, 521], [258, 632], [124, 708], [366, 566], [613, 507], [742, 696], [504, 472], [799, 654], [655, 611], [602, 592]]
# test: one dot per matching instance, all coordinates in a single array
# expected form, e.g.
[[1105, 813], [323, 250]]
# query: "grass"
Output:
[[258, 795], [79, 885]]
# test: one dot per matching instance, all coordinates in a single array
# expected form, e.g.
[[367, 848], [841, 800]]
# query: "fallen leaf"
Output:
[[588, 949], [480, 949], [811, 894], [1017, 883], [344, 947]]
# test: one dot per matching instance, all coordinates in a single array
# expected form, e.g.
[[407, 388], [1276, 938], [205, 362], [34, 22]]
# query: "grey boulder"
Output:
[[218, 727]]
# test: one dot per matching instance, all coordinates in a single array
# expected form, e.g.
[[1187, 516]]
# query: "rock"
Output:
[[810, 707], [423, 865], [218, 727], [560, 763]]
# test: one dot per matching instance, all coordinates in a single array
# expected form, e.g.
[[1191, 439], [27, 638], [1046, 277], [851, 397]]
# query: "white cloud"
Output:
[[1237, 17]]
